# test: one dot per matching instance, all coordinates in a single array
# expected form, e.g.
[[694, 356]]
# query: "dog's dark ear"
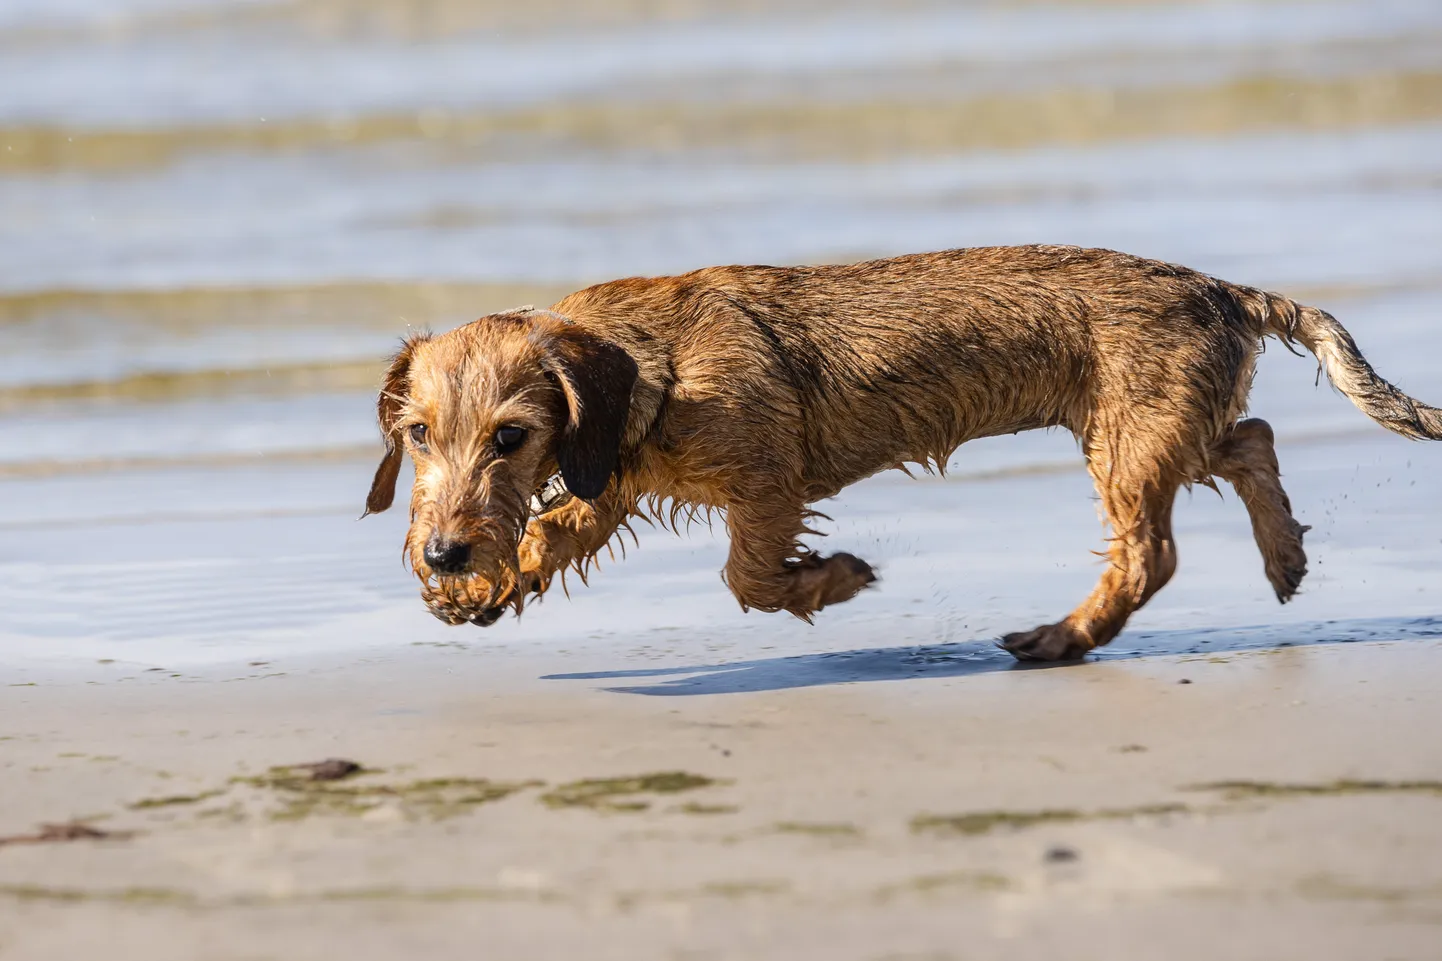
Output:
[[597, 377], [388, 409]]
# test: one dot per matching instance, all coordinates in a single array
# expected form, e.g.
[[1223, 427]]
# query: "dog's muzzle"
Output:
[[551, 495]]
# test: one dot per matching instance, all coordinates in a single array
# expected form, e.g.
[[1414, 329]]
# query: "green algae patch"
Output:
[[135, 896], [731, 890], [299, 777], [172, 898], [817, 829], [692, 807], [620, 794], [972, 882], [984, 822], [336, 788], [434, 798], [743, 889], [1328, 888], [432, 895], [1239, 790], [174, 800]]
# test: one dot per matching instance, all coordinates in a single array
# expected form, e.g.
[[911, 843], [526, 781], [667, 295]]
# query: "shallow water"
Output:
[[219, 215]]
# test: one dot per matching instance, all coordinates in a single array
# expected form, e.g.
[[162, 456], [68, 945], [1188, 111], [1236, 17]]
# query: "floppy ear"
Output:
[[393, 393], [596, 376]]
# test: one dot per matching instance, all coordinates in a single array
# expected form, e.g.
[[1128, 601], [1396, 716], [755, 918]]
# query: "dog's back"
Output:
[[906, 358]]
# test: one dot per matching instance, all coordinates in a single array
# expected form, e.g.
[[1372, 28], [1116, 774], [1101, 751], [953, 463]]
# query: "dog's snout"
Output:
[[445, 555]]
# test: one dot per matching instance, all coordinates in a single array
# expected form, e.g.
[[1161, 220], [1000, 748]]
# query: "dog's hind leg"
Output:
[[1138, 483], [769, 570], [1247, 459]]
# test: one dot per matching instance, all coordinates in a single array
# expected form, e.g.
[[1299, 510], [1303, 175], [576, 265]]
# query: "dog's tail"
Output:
[[1337, 352]]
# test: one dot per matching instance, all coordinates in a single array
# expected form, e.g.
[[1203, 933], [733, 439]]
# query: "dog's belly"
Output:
[[835, 466], [679, 478]]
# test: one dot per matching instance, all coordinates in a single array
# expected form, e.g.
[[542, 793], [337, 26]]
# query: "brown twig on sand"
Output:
[[331, 769], [69, 831]]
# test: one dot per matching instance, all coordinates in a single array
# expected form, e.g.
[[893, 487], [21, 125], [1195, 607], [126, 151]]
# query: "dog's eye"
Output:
[[509, 438], [418, 435]]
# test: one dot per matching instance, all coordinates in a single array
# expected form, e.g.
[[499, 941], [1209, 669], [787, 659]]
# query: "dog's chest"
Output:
[[680, 476]]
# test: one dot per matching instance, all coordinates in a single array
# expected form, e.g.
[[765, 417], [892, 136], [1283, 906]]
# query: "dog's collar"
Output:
[[553, 494]]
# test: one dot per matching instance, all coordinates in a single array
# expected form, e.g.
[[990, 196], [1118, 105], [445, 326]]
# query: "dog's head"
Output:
[[488, 413]]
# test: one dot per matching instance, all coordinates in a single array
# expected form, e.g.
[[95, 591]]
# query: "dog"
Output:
[[759, 391]]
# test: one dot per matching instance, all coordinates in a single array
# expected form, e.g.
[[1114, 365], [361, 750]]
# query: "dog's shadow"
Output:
[[978, 657]]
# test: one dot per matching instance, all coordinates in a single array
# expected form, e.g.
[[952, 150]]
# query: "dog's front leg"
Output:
[[569, 536], [769, 569]]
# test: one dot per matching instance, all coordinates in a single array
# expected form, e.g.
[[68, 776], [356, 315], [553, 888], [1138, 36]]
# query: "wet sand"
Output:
[[1089, 811], [221, 214], [1264, 804]]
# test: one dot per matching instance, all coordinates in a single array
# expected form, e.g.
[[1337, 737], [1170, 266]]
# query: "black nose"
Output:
[[446, 556]]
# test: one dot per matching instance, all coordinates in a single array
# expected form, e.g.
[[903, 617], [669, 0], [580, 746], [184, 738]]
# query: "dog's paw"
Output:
[[824, 581], [848, 576], [487, 617], [1052, 642], [1286, 563], [445, 609], [462, 601]]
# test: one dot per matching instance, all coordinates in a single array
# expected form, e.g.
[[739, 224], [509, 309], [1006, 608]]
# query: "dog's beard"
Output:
[[491, 582]]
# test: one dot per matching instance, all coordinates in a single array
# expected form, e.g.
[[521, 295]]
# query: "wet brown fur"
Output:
[[758, 391]]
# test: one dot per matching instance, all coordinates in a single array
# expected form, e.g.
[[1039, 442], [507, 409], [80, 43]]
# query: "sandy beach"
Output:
[[1273, 803], [220, 215], [1266, 809], [884, 785]]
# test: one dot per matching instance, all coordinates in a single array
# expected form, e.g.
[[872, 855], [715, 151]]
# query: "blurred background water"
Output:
[[217, 216]]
